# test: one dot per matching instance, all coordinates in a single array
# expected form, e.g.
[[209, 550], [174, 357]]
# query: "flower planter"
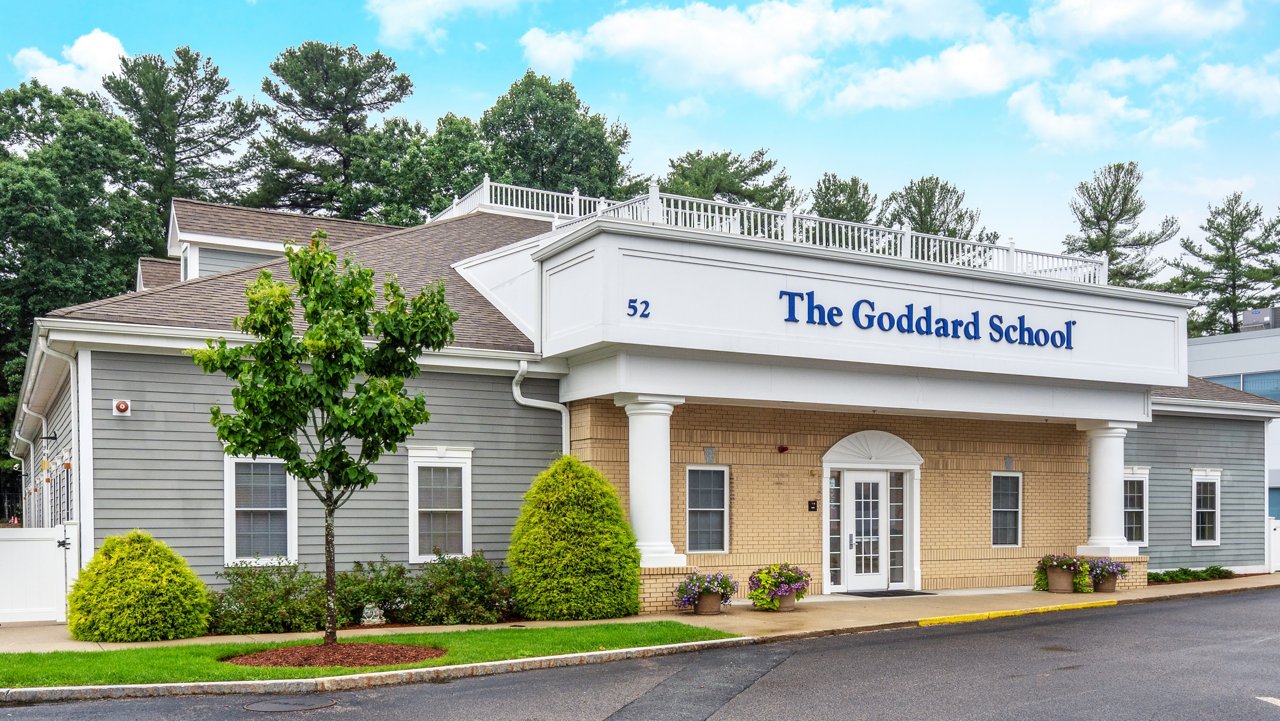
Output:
[[708, 604], [1106, 584], [1060, 580], [787, 602]]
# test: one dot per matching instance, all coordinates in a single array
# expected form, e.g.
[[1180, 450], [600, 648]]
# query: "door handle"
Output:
[[850, 541]]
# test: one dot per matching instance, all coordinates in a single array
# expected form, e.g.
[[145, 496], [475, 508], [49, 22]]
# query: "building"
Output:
[[1195, 481], [885, 408], [1249, 362]]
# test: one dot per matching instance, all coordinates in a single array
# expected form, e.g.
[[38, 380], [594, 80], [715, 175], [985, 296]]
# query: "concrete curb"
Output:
[[971, 617], [440, 674]]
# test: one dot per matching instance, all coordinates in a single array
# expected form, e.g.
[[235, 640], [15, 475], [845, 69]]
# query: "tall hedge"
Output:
[[137, 589], [573, 554]]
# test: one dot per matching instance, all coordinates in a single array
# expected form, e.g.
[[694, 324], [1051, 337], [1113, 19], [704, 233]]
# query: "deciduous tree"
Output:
[[542, 136], [1235, 269], [324, 402], [1107, 209], [73, 219]]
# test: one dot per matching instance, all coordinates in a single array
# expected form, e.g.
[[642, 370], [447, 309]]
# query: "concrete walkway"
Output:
[[817, 615]]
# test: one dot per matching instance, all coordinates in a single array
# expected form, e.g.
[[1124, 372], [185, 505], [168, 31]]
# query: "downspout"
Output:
[[44, 432], [74, 397], [546, 405]]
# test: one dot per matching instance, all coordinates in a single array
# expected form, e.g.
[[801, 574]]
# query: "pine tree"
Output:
[[192, 131], [731, 178], [934, 206], [1107, 209], [323, 96], [851, 200], [1235, 269]]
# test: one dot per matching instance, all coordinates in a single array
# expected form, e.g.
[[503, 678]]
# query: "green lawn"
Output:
[[171, 664]]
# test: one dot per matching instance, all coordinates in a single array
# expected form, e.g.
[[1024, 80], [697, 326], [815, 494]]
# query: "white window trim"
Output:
[[438, 457], [1141, 473], [1214, 476], [229, 514], [991, 492], [724, 548]]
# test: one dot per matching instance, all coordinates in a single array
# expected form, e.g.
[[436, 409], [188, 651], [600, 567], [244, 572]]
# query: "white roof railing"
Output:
[[571, 209]]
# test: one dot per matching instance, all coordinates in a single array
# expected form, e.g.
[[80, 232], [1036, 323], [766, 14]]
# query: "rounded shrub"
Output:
[[573, 555], [137, 589]]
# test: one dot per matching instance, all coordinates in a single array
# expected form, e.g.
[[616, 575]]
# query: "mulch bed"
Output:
[[342, 654]]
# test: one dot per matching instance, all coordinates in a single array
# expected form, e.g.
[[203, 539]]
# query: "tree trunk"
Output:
[[330, 580]]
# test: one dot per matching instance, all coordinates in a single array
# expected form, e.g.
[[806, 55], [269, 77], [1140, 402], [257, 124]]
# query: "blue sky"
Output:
[[1013, 102]]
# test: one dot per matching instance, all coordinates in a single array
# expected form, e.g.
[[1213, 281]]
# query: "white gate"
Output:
[[37, 568], [1273, 538]]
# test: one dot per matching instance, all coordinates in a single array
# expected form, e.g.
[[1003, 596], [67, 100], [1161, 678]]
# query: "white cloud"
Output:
[[87, 59], [1185, 132], [1252, 86], [480, 47], [690, 106], [771, 48], [1119, 73], [1084, 115], [980, 67], [552, 54], [1086, 20], [1215, 189], [401, 21]]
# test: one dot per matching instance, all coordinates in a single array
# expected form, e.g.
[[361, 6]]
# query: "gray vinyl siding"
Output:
[[216, 260], [162, 468], [56, 450], [1171, 446]]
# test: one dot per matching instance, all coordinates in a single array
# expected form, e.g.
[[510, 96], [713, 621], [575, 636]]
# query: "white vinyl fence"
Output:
[[1274, 539], [37, 568]]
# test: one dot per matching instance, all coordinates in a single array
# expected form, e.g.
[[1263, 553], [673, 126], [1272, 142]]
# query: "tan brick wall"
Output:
[[658, 589], [769, 490]]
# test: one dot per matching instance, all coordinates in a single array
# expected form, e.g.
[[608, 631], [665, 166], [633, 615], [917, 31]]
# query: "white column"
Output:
[[649, 469], [1106, 490]]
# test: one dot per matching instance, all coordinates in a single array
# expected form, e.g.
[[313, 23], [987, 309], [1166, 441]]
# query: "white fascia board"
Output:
[[1222, 409], [172, 245], [174, 340], [836, 387], [224, 241], [597, 226]]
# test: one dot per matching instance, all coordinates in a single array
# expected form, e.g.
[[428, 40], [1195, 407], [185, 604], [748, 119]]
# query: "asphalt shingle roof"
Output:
[[1199, 389], [417, 256], [195, 216], [157, 272]]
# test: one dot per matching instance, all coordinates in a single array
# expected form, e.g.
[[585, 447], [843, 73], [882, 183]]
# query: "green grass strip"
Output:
[[202, 662]]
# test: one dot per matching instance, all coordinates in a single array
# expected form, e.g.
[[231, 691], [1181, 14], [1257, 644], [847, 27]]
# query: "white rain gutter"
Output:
[[546, 405], [73, 396]]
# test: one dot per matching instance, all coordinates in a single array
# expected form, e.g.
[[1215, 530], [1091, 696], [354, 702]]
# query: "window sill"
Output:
[[1205, 544], [272, 561]]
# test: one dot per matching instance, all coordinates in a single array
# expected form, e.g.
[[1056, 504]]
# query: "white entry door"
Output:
[[866, 531]]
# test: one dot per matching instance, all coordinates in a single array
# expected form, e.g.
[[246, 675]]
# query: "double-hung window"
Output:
[[261, 512], [1136, 479], [708, 509], [1205, 500], [1006, 509], [439, 502]]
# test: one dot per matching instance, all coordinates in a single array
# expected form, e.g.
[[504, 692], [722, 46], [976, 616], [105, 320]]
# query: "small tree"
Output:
[[325, 402], [573, 555], [934, 206]]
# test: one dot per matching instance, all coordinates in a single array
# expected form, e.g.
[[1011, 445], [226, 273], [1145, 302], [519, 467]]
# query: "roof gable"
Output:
[[230, 221], [416, 256]]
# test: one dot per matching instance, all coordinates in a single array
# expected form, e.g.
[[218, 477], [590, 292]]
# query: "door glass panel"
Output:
[[897, 526], [835, 550], [866, 527]]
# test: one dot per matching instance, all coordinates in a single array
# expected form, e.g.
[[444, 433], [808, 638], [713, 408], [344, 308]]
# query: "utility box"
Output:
[[1260, 319]]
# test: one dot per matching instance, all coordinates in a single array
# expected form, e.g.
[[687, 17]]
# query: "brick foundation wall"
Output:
[[769, 491], [658, 589]]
